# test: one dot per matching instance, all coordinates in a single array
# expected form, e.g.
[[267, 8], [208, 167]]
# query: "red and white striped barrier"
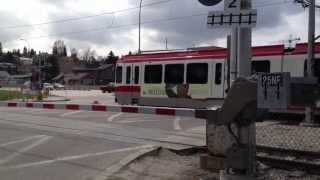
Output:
[[105, 108]]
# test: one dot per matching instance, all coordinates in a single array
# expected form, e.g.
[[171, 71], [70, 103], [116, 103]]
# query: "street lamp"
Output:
[[139, 50]]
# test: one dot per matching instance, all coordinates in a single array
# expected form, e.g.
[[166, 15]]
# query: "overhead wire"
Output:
[[83, 17], [111, 26], [134, 24]]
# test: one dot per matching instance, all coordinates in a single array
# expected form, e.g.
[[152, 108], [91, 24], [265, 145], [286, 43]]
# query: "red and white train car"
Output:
[[195, 78]]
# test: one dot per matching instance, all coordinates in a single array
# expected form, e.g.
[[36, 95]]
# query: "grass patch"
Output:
[[9, 95]]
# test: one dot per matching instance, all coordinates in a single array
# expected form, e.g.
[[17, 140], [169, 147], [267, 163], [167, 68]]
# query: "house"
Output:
[[8, 67], [87, 76], [13, 80]]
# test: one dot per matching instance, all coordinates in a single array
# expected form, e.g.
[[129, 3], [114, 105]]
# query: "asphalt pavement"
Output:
[[42, 144]]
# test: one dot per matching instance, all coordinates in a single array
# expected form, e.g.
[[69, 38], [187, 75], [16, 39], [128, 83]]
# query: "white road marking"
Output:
[[134, 121], [70, 113], [176, 123], [111, 118], [68, 158], [25, 149], [33, 110], [21, 140]]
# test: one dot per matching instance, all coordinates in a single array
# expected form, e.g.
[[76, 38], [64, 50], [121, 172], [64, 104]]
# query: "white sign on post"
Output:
[[232, 5], [273, 90], [228, 19]]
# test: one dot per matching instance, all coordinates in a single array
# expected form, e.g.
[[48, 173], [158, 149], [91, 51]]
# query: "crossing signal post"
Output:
[[239, 17]]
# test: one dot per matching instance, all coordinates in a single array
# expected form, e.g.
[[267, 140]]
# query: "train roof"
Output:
[[214, 53]]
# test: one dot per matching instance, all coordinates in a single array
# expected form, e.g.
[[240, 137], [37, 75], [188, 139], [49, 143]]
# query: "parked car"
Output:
[[58, 86], [107, 88], [48, 86]]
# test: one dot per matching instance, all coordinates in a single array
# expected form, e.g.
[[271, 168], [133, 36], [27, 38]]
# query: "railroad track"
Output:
[[289, 159]]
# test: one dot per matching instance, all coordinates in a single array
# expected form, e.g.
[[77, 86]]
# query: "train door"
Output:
[[136, 83], [217, 74], [128, 83]]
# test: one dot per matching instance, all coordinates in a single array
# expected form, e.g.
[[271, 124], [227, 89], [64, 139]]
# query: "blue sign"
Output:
[[210, 2]]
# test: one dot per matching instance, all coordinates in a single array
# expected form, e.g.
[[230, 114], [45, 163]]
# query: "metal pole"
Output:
[[311, 38], [166, 43], [244, 45], [228, 62], [233, 57], [139, 50], [246, 133]]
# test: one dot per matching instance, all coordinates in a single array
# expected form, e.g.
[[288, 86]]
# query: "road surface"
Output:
[[38, 144]]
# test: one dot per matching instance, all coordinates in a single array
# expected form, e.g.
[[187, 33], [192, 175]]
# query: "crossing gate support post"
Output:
[[231, 133]]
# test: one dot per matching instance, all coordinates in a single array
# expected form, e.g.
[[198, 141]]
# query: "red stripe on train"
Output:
[[128, 89]]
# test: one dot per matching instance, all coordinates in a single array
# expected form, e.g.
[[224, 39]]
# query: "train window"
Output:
[[260, 66], [153, 74], [174, 74], [197, 73], [119, 74], [128, 75], [136, 75], [218, 75]]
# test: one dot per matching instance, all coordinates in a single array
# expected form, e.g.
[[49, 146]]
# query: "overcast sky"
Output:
[[106, 25]]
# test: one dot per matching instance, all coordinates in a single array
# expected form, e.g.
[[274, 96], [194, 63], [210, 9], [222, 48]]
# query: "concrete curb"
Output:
[[126, 161]]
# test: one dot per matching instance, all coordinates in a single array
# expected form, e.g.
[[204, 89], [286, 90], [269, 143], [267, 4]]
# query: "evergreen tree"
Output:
[[65, 51], [25, 52], [55, 51], [111, 59], [32, 52], [0, 49]]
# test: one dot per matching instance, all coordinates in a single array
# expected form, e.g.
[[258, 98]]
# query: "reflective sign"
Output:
[[210, 2]]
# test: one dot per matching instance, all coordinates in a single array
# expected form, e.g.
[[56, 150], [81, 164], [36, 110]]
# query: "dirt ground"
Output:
[[167, 165]]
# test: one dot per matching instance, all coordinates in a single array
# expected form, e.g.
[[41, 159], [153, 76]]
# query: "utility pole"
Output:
[[166, 43], [311, 38], [309, 118], [139, 50]]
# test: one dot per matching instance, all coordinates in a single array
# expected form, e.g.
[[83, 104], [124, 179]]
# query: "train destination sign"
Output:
[[273, 90]]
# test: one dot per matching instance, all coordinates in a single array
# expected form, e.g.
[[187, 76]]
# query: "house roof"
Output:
[[21, 76], [78, 76], [4, 74], [59, 76]]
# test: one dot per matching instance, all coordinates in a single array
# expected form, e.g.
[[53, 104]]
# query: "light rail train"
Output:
[[197, 77]]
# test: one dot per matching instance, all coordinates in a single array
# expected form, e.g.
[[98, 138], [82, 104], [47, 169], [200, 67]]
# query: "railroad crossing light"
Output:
[[210, 2]]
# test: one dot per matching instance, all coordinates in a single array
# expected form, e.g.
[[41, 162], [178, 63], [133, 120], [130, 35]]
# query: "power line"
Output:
[[135, 24], [121, 26], [271, 4], [305, 3], [96, 29], [83, 17]]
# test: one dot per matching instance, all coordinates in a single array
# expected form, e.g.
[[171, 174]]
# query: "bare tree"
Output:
[[59, 48], [88, 55]]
